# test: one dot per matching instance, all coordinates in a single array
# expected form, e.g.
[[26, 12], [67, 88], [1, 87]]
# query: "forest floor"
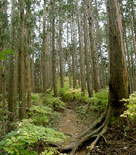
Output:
[[115, 142]]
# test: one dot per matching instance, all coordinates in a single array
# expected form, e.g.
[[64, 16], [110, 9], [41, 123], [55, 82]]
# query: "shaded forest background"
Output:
[[59, 48]]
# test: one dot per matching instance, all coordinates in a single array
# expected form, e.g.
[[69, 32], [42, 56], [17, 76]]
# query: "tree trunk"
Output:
[[82, 65], [44, 53], [87, 55], [54, 78], [28, 78], [32, 74], [11, 93], [22, 107], [118, 86], [129, 63], [74, 53], [61, 51], [95, 66], [134, 19]]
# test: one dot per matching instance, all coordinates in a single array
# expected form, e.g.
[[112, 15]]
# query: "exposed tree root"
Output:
[[93, 134]]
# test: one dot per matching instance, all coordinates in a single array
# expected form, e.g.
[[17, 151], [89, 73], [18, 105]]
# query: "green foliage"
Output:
[[36, 98], [42, 111], [22, 141], [68, 95], [51, 151], [74, 94], [82, 109], [40, 114], [100, 100], [130, 113], [53, 102], [5, 53]]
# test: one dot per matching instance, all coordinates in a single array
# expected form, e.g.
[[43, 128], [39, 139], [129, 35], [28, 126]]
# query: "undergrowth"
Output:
[[99, 100], [27, 136], [36, 131], [130, 112]]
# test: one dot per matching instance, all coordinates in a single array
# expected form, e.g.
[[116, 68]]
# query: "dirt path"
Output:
[[117, 143], [71, 125]]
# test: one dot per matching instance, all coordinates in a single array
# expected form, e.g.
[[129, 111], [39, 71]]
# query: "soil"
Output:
[[115, 142], [71, 126]]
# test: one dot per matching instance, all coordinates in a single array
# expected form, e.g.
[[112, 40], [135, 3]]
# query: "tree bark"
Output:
[[118, 85], [44, 52], [74, 53], [61, 51], [54, 78], [28, 81], [22, 107], [82, 56], [95, 66], [11, 86], [86, 38], [33, 69], [129, 63]]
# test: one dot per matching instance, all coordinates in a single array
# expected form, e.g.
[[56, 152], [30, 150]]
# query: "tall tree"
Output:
[[60, 47], [118, 85], [44, 52], [11, 91], [82, 56], [28, 13], [95, 66], [74, 52], [86, 38], [54, 78], [22, 107]]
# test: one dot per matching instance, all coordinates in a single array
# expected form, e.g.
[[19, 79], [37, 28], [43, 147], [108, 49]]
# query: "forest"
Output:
[[67, 77]]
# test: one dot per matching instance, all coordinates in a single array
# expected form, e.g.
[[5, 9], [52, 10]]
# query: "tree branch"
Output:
[[3, 4]]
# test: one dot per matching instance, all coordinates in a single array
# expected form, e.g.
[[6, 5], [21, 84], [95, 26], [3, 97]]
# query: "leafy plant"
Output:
[[68, 95], [5, 53], [53, 102], [36, 98], [100, 100], [130, 113], [40, 114], [23, 140], [75, 94], [51, 151]]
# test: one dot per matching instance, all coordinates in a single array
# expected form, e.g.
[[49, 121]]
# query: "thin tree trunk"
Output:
[[32, 74], [61, 52], [74, 52], [87, 56], [53, 50], [11, 93], [22, 107], [44, 53], [95, 66], [28, 81], [129, 64], [82, 65]]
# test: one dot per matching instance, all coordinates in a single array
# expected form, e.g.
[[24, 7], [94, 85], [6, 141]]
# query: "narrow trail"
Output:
[[117, 143], [72, 126]]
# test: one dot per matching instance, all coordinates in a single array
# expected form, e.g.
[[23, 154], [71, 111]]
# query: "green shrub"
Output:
[[130, 113], [23, 140], [36, 98], [43, 115], [53, 102], [40, 114], [99, 100], [51, 151], [68, 95], [75, 95]]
